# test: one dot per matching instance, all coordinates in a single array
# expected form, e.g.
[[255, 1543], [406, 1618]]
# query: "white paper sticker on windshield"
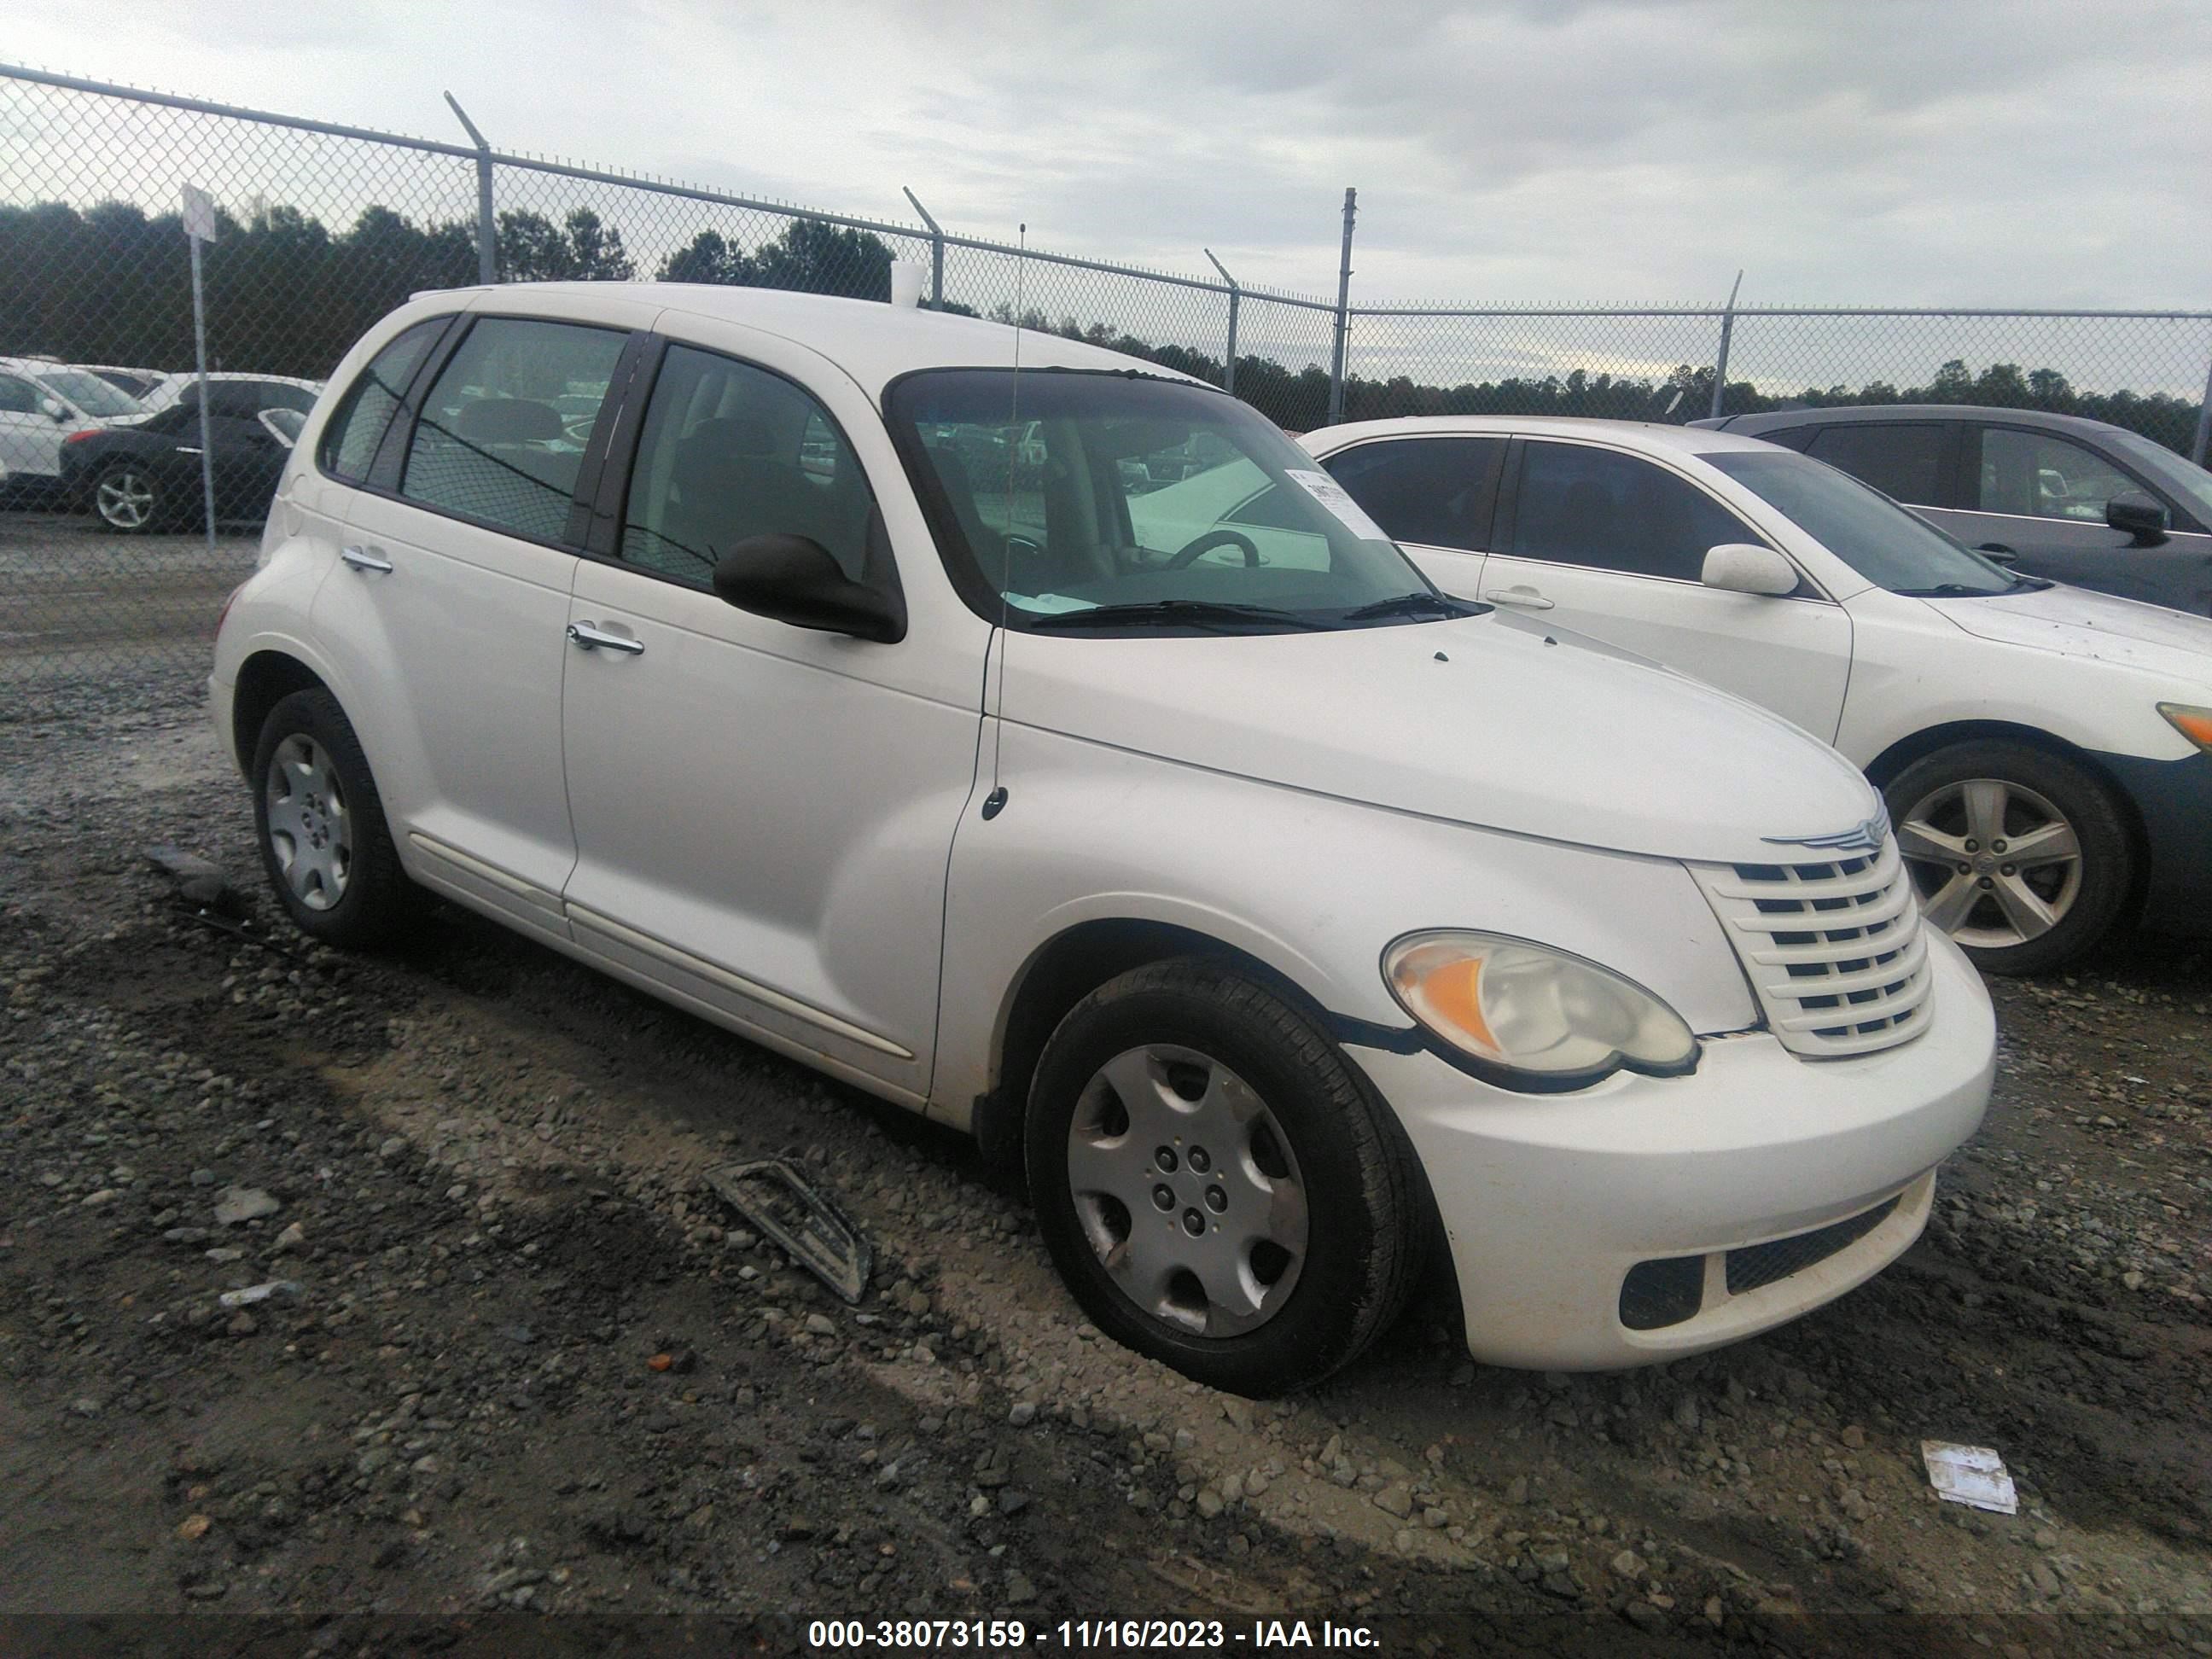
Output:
[[1050, 605], [1330, 493]]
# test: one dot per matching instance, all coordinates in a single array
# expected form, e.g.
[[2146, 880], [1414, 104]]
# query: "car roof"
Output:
[[1650, 437], [1854, 414], [872, 342]]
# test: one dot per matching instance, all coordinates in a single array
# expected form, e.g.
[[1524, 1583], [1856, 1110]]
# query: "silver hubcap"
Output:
[[1995, 864], [125, 499], [1187, 1190], [309, 828]]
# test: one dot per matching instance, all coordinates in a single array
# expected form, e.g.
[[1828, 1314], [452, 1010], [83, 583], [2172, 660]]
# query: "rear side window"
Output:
[[1578, 504], [729, 451], [349, 441], [501, 435], [1436, 491], [1903, 460]]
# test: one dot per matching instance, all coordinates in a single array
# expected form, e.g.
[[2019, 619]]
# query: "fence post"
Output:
[[1229, 371], [1343, 310], [1727, 328], [2204, 422], [936, 254], [487, 221]]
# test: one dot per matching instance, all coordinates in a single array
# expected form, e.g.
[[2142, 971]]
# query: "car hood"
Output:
[[2075, 621], [1490, 720]]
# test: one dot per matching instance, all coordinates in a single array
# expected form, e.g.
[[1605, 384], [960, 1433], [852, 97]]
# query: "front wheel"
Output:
[[2022, 856], [1219, 1188]]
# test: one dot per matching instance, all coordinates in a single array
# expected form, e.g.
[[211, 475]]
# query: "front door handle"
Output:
[[590, 637], [366, 559], [1524, 598]]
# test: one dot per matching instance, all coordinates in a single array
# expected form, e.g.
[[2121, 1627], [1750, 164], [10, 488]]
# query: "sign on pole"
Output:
[[198, 213]]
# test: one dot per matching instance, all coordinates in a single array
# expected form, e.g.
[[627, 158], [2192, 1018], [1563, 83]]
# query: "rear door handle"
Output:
[[590, 637], [1525, 599], [366, 558]]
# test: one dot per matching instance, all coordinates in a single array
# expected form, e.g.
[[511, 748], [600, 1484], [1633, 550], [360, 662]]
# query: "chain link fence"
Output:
[[106, 562]]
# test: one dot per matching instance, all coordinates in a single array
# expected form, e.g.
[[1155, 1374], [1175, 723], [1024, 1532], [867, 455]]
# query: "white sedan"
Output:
[[2046, 752]]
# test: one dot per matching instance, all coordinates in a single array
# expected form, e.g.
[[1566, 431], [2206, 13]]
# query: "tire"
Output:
[[128, 498], [1196, 1046], [2019, 915], [320, 826]]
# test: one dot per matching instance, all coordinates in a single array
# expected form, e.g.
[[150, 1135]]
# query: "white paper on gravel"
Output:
[[1973, 1475], [1330, 493]]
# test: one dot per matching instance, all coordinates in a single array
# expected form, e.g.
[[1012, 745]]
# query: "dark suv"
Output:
[[2053, 495]]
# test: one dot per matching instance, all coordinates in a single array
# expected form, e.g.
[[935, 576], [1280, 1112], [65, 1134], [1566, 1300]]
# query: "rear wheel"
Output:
[[324, 841], [128, 498], [2021, 855], [1217, 1185]]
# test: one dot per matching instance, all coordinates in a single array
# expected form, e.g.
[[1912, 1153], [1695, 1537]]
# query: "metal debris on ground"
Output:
[[790, 1210], [200, 881], [287, 1288], [1972, 1475]]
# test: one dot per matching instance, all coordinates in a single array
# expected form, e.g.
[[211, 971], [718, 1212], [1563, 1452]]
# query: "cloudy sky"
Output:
[[2050, 152]]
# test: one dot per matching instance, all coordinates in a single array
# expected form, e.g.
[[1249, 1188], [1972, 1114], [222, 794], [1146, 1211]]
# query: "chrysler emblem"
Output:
[[1866, 837]]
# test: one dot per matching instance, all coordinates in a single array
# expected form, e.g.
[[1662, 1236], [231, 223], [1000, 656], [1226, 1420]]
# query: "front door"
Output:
[[1613, 545], [763, 813], [2040, 498], [30, 438]]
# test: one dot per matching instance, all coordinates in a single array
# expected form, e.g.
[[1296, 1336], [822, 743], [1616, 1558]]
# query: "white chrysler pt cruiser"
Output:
[[815, 665]]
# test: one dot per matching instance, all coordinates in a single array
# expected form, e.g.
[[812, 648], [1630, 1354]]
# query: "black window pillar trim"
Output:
[[614, 435], [1507, 507]]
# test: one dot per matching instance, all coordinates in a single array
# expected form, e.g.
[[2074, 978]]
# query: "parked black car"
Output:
[[2054, 495], [145, 475]]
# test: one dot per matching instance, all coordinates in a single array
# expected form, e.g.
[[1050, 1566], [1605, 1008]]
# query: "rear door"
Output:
[[1434, 496], [2040, 497], [1613, 545], [452, 604]]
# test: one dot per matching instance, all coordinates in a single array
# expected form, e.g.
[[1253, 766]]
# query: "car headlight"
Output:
[[2193, 724], [1552, 1019]]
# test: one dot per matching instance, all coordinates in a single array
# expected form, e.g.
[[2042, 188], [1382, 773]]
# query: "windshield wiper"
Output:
[[1408, 604], [1951, 590], [1176, 613]]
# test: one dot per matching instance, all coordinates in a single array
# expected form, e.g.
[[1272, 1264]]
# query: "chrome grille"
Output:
[[1834, 952]]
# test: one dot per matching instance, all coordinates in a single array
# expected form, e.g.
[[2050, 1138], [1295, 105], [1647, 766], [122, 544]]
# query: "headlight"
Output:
[[2193, 724], [1554, 1019]]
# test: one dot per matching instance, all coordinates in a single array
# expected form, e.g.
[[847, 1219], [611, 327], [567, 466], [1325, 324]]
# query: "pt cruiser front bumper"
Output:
[[1574, 1219]]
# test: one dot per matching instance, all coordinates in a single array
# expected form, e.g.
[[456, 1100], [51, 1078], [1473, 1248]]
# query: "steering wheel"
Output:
[[1206, 541]]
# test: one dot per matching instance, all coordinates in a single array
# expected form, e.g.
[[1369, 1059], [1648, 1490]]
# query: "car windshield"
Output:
[[1103, 502], [1888, 545], [91, 394], [2184, 478]]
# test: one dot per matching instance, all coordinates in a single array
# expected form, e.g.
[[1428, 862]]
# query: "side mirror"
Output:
[[1742, 567], [54, 411], [793, 579], [2143, 519]]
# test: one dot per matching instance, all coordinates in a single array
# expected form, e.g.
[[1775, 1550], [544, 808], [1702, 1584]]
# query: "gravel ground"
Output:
[[527, 1365]]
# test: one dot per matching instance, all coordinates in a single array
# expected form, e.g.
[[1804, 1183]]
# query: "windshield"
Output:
[[1888, 545], [1100, 492], [2184, 478], [94, 396]]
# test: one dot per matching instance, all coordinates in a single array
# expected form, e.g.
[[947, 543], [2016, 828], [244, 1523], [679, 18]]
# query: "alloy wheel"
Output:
[[309, 829], [125, 499], [1996, 863], [1187, 1190]]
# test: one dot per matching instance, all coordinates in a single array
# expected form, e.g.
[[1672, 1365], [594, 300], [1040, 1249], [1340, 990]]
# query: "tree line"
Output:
[[287, 295]]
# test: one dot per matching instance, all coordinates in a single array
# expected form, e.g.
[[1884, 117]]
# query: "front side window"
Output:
[[1436, 491], [1580, 505], [2185, 479], [1903, 460], [495, 442], [1106, 502], [2035, 475], [1888, 545], [351, 441], [729, 451], [90, 393]]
